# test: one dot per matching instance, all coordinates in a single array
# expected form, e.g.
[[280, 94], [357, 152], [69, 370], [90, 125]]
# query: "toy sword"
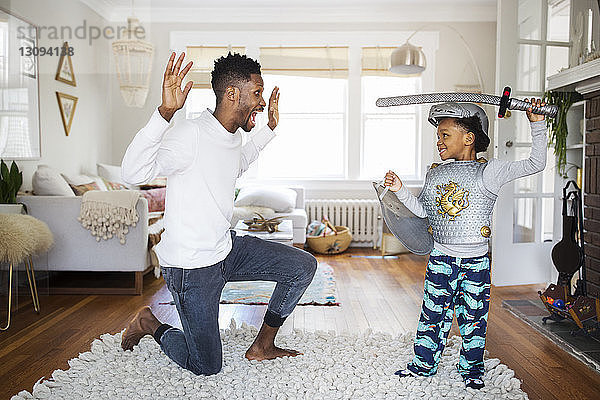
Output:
[[504, 102]]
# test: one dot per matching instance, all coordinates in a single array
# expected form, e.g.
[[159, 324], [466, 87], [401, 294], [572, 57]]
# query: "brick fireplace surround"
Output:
[[591, 209], [585, 79]]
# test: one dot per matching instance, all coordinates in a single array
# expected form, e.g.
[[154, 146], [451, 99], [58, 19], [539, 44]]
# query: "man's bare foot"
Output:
[[264, 347], [256, 352], [144, 323]]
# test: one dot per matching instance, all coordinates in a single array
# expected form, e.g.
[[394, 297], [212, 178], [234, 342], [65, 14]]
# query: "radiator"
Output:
[[361, 216]]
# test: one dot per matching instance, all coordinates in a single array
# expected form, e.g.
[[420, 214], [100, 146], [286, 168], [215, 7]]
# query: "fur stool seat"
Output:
[[21, 238]]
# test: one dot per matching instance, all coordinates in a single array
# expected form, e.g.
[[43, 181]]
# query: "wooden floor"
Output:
[[381, 294]]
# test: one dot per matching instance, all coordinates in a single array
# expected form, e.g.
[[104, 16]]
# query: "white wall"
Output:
[[103, 126], [452, 66], [90, 137]]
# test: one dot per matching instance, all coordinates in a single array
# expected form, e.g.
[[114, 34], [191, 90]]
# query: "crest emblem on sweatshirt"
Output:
[[452, 199]]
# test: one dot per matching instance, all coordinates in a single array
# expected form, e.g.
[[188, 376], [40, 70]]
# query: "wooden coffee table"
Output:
[[284, 234]]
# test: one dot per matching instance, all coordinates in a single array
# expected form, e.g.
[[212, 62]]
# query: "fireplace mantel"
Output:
[[584, 78]]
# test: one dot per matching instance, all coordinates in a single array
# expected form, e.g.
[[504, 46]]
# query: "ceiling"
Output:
[[296, 10]]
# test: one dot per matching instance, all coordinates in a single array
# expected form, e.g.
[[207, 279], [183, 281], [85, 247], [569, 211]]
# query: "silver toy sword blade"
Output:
[[513, 104]]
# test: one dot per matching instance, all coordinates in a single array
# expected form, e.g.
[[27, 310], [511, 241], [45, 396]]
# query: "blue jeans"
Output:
[[197, 293]]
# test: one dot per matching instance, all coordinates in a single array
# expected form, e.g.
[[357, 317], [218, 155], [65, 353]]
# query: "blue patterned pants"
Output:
[[452, 283]]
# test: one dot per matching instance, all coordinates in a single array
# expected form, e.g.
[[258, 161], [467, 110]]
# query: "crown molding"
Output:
[[101, 7], [368, 13]]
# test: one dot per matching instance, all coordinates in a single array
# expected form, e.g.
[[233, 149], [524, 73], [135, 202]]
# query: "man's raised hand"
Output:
[[274, 108], [173, 98]]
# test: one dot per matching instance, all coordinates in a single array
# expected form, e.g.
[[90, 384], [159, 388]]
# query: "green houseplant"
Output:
[[10, 183], [558, 125]]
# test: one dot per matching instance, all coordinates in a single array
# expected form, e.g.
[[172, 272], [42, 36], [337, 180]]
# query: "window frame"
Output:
[[352, 184], [539, 195]]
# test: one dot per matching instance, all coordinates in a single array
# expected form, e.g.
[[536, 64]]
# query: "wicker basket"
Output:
[[331, 244]]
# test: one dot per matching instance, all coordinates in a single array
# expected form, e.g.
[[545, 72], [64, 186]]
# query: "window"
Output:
[[543, 51], [310, 141], [318, 137], [199, 100], [311, 133], [391, 137]]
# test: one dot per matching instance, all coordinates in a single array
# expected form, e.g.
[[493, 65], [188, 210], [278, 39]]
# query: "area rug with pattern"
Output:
[[320, 292], [350, 366]]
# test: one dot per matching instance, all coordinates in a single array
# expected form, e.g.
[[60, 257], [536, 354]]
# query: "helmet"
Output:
[[438, 112]]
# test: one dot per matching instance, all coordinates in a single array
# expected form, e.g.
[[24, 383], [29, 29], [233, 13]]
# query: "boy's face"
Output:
[[453, 142]]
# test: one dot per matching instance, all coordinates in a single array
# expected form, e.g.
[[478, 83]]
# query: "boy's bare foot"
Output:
[[255, 352], [144, 323]]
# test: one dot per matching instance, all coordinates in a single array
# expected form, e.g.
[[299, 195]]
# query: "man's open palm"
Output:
[[173, 97]]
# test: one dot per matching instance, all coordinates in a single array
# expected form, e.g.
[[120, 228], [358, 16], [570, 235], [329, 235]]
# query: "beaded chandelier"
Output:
[[133, 59]]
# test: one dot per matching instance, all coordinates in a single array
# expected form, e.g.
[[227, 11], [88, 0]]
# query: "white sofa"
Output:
[[297, 215], [75, 249]]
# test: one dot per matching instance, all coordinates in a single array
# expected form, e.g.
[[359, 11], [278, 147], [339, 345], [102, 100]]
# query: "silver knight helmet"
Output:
[[437, 112]]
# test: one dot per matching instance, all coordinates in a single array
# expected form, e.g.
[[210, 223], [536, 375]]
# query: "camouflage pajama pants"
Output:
[[452, 283]]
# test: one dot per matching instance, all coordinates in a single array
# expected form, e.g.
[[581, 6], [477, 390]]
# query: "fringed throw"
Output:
[[108, 214]]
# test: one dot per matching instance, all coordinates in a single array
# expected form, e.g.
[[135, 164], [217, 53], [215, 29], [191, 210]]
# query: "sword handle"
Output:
[[549, 109], [504, 102]]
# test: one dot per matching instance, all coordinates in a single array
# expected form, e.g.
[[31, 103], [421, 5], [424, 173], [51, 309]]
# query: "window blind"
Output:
[[317, 61], [376, 61], [204, 58]]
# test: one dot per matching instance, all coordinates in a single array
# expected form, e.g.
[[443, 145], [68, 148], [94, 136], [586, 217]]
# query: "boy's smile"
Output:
[[453, 142]]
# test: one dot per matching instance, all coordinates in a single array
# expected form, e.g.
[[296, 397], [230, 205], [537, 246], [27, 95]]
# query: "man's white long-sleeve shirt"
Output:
[[201, 161]]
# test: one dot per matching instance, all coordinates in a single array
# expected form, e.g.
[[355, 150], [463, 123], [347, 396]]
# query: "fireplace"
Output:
[[591, 203], [585, 79]]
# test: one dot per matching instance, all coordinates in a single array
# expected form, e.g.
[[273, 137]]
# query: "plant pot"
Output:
[[11, 208]]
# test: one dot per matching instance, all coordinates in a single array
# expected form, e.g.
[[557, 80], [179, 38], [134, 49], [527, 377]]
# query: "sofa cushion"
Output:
[[158, 182], [79, 190], [85, 179], [277, 198], [47, 181], [298, 217], [113, 185], [112, 173], [156, 199]]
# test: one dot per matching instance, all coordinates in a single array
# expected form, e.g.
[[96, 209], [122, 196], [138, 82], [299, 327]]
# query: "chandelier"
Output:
[[133, 59]]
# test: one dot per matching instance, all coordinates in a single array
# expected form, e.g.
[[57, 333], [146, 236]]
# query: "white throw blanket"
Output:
[[109, 213]]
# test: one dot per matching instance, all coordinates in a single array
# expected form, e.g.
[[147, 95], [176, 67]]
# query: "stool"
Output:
[[22, 237]]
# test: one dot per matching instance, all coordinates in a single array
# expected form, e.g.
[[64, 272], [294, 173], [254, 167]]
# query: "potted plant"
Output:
[[10, 183], [558, 125]]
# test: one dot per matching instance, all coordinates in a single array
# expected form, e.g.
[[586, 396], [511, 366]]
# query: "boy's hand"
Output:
[[535, 117], [392, 181]]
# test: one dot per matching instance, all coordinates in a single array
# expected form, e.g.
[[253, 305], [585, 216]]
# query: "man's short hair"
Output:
[[473, 124], [232, 70]]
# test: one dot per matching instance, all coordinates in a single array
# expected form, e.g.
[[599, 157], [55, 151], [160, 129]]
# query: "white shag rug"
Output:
[[332, 367]]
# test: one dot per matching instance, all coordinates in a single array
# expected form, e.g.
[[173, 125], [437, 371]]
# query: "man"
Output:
[[198, 253]]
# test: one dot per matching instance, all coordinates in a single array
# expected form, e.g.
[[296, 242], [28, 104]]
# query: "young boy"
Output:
[[457, 198]]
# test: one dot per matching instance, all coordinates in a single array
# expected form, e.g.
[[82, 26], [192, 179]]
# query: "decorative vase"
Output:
[[11, 208]]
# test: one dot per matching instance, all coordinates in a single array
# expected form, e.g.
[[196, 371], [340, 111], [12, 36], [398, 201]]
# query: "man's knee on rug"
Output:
[[307, 269], [212, 369]]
